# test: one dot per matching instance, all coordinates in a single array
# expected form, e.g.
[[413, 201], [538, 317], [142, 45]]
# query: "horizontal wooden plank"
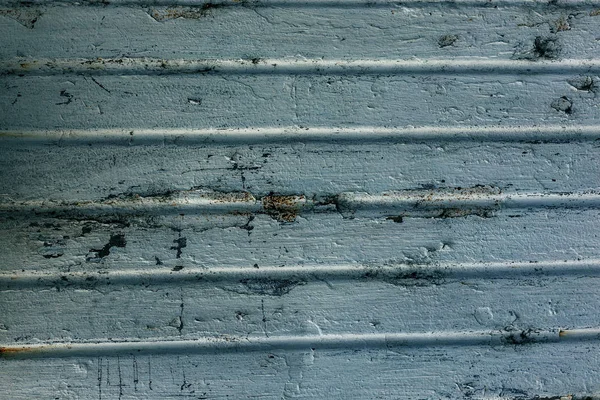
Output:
[[219, 101], [115, 243], [422, 203], [312, 169], [411, 274], [385, 30], [414, 301], [515, 372]]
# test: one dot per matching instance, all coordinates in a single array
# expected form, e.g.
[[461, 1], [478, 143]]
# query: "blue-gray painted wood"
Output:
[[300, 199]]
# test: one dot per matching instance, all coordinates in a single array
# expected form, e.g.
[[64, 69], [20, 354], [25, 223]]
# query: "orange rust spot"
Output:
[[8, 351], [562, 333], [283, 208]]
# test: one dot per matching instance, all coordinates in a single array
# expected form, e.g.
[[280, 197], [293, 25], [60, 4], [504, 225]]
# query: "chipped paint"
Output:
[[169, 13], [482, 201], [283, 207], [24, 16]]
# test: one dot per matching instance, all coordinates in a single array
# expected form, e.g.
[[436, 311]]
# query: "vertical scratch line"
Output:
[[99, 378], [120, 378], [149, 376], [264, 317], [135, 374], [180, 328]]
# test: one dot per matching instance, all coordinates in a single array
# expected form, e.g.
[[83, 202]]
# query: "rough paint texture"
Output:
[[300, 199]]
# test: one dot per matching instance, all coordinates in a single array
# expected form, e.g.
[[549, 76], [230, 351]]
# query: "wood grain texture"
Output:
[[96, 172], [250, 30], [299, 199], [222, 101], [277, 374]]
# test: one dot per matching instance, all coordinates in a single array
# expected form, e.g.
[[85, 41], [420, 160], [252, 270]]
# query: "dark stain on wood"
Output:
[[283, 208], [116, 240]]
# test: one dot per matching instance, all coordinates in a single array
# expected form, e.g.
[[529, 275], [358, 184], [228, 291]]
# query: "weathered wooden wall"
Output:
[[300, 199]]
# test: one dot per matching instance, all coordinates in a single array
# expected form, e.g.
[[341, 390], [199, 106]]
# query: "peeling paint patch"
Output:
[[116, 240], [583, 83], [563, 104], [544, 48], [170, 13], [397, 219], [483, 212], [520, 337], [283, 208], [180, 244], [447, 40], [269, 287], [407, 278], [24, 16], [560, 25]]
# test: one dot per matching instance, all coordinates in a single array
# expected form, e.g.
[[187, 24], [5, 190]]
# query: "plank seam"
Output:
[[226, 343], [533, 134], [394, 274], [288, 66], [420, 203]]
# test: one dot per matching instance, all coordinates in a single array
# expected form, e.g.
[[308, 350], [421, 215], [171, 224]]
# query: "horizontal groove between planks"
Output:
[[440, 273], [227, 343], [359, 134], [417, 203], [156, 66]]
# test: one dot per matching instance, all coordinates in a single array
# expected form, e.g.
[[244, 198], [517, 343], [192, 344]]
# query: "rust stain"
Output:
[[13, 351], [562, 333], [595, 13], [234, 197], [561, 25], [281, 207]]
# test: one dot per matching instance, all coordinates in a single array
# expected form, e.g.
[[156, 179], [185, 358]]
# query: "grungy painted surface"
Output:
[[300, 199]]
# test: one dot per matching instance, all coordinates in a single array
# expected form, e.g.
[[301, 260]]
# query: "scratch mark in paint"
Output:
[[264, 317], [99, 378], [135, 374]]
